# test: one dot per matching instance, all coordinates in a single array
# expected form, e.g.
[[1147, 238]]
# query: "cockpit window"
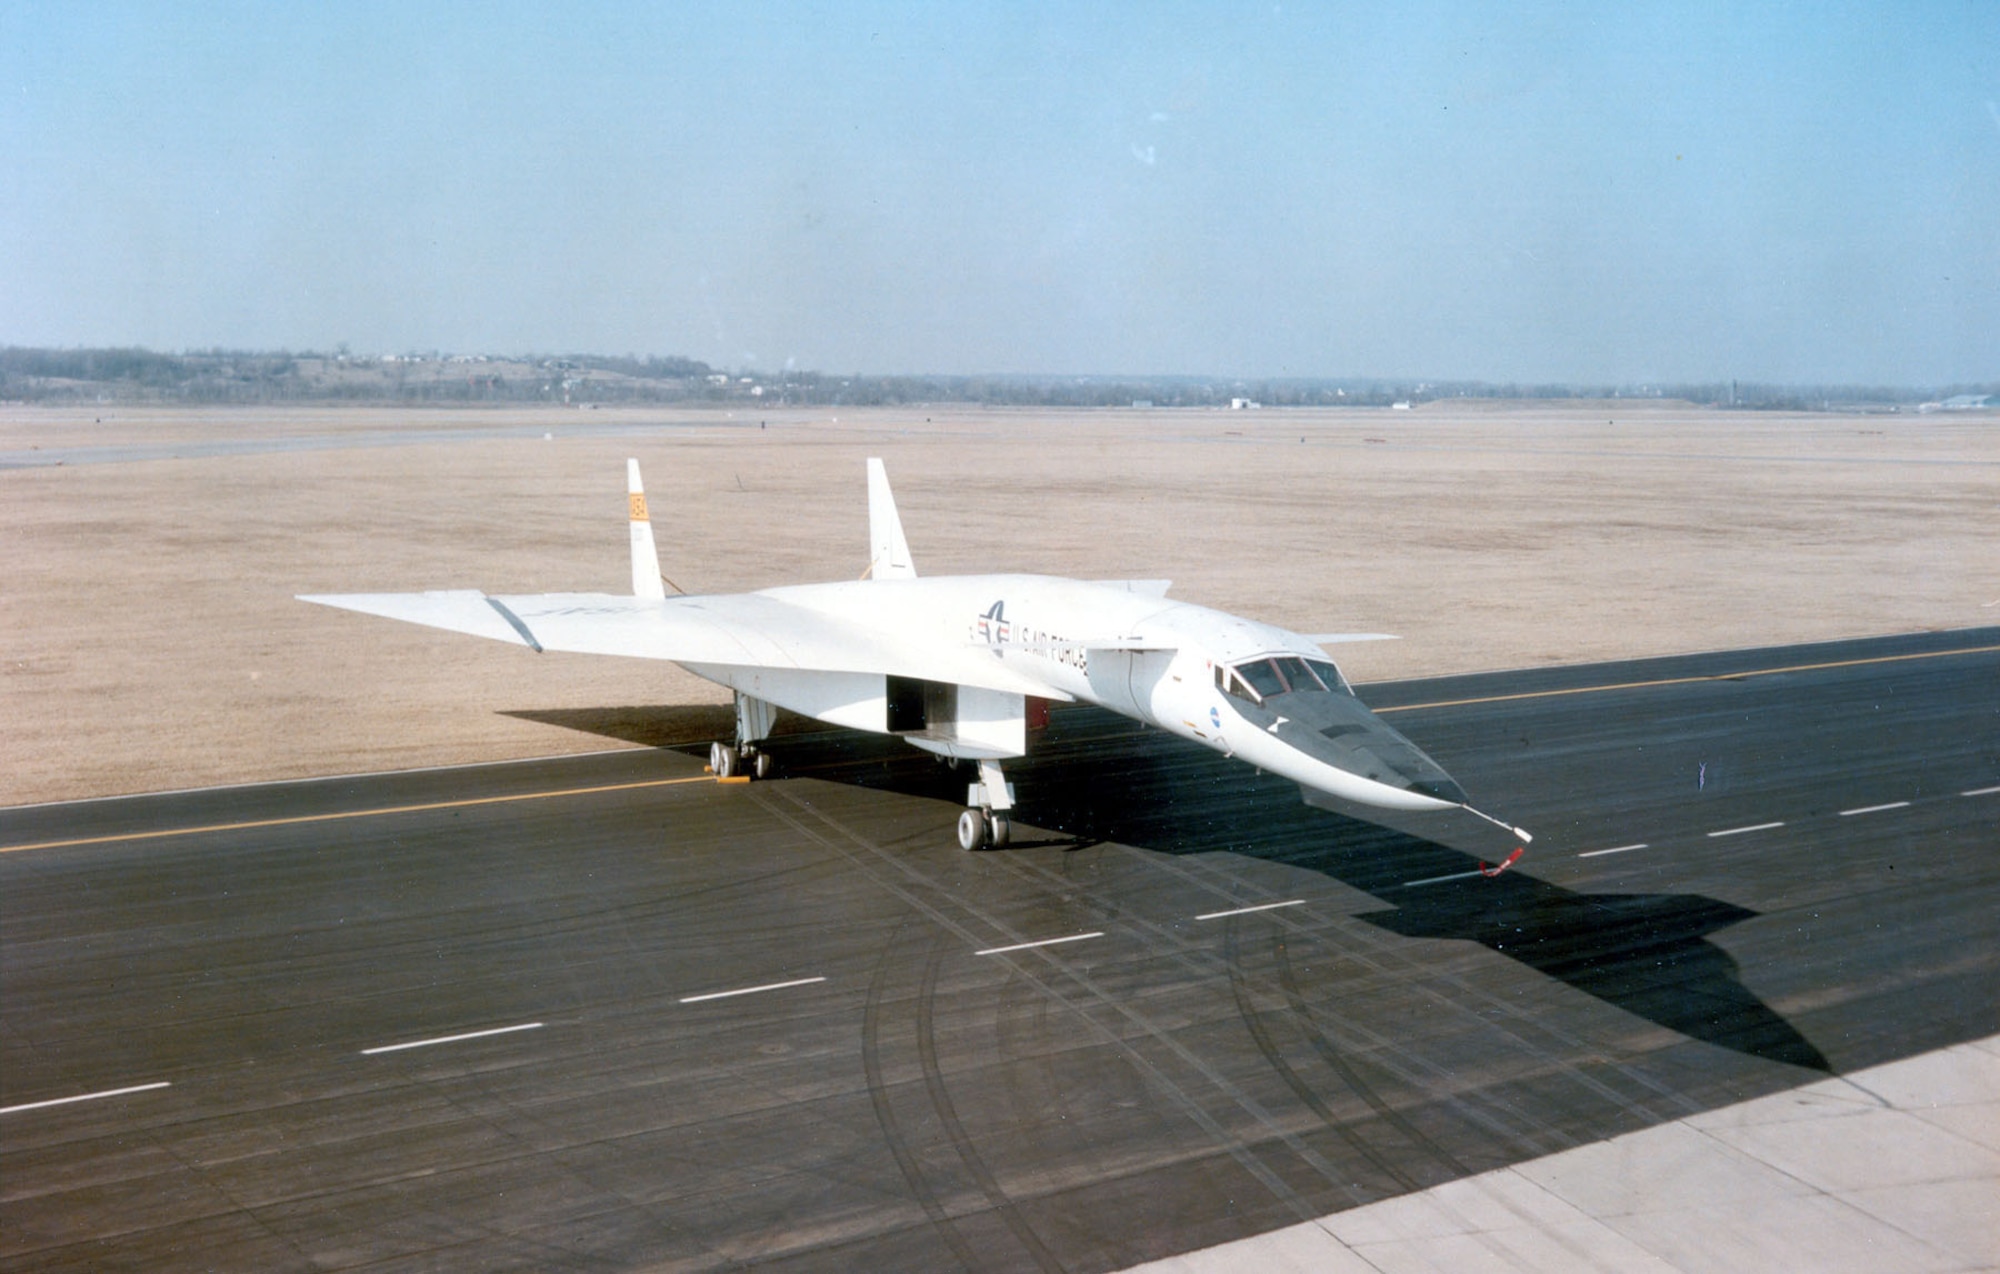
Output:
[[1263, 678], [1258, 679], [1330, 675], [1229, 683], [1293, 670]]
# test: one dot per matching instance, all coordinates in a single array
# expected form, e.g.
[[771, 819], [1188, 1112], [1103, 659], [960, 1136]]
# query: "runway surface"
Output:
[[603, 1012]]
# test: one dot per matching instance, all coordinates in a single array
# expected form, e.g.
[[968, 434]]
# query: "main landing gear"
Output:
[[986, 825], [728, 762], [754, 719]]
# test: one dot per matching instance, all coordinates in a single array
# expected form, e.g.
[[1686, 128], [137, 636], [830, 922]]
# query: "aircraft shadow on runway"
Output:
[[1096, 777]]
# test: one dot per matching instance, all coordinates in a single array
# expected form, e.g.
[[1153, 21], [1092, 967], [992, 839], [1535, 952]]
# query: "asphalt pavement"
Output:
[[604, 1012]]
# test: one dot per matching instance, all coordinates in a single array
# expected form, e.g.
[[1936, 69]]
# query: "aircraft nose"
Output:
[[1441, 789], [1340, 731]]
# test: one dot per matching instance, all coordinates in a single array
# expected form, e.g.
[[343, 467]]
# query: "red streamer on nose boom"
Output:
[[1509, 861]]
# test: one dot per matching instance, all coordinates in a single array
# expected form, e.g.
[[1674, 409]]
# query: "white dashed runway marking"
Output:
[[1244, 911], [748, 990], [65, 1101], [1615, 849], [1045, 942], [1738, 831], [451, 1039]]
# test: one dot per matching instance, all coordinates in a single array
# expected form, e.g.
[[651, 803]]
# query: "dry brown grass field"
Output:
[[152, 640]]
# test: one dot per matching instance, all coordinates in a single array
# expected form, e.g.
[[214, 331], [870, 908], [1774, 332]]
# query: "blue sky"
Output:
[[1538, 192]]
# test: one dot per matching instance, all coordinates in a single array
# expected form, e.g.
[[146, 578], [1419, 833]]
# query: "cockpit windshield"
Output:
[[1329, 675], [1263, 678], [1259, 679], [1293, 670]]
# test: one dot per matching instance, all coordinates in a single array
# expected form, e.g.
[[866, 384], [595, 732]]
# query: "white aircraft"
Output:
[[957, 665]]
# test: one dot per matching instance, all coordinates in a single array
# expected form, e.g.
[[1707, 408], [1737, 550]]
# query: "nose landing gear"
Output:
[[984, 829], [986, 825]]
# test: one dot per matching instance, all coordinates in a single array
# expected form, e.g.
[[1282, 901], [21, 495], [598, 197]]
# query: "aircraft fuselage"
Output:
[[1120, 646]]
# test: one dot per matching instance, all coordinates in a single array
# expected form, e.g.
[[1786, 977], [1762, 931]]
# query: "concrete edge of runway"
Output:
[[1893, 1167]]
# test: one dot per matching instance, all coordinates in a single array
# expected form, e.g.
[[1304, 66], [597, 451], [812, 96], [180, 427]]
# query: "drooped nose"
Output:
[[1388, 757], [1341, 731], [1442, 789]]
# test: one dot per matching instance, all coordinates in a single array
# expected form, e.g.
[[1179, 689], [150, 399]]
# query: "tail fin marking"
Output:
[[646, 581]]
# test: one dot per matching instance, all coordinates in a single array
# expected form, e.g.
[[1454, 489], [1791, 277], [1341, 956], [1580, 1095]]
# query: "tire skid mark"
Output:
[[1396, 965], [475, 1096], [885, 1113], [1037, 1078], [1337, 1062], [1492, 1244], [1253, 1021], [1385, 961], [1519, 1025], [1114, 913], [1412, 1069], [1496, 1118], [872, 860], [947, 1112], [1495, 1247]]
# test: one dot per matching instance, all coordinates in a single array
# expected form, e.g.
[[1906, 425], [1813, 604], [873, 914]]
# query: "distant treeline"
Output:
[[240, 376], [248, 376], [1196, 391]]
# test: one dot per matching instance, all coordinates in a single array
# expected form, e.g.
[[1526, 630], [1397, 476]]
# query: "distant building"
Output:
[[1244, 404], [1961, 402], [1400, 406]]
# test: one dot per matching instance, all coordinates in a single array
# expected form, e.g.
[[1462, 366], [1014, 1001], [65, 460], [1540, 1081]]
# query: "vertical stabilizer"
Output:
[[645, 557], [888, 551]]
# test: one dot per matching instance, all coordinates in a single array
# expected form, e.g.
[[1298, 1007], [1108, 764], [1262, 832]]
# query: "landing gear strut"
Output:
[[754, 719], [986, 825]]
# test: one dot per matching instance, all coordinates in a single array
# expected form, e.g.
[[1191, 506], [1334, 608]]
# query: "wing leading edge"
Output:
[[742, 630]]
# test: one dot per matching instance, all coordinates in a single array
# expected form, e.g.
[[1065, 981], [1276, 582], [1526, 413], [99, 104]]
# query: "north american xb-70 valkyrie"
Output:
[[958, 665]]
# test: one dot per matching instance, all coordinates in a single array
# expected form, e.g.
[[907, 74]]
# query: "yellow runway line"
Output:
[[1682, 681], [626, 787]]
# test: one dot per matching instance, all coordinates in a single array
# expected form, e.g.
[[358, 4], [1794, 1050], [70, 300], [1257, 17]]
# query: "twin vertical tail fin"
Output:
[[646, 580], [888, 551]]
